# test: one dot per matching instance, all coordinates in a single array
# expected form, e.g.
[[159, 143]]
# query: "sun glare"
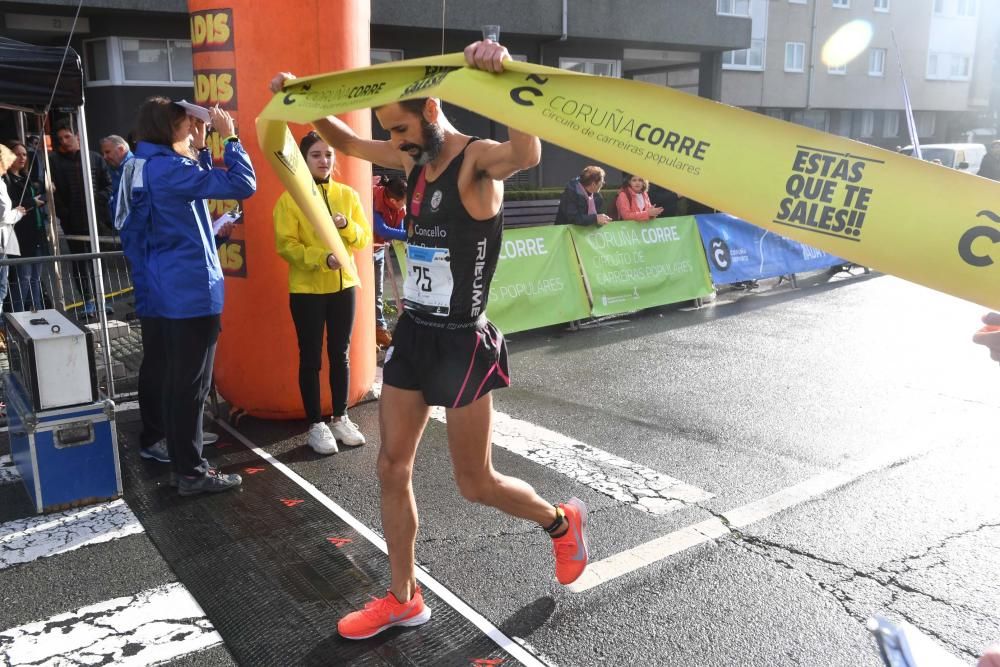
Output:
[[847, 43]]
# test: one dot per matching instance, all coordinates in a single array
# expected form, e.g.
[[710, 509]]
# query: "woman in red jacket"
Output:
[[389, 203], [633, 200]]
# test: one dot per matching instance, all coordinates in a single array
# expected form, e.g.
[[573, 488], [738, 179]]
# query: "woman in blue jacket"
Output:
[[182, 277]]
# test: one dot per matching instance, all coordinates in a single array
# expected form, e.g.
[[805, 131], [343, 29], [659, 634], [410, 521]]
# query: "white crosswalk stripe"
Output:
[[643, 488], [640, 487], [25, 540], [150, 627]]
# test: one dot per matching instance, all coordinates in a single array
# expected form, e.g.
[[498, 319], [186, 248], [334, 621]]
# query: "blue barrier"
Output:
[[738, 251]]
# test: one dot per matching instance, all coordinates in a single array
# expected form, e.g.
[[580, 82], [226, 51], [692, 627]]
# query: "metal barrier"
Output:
[[68, 283]]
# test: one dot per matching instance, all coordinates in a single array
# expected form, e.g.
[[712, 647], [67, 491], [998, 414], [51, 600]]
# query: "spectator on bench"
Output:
[[581, 200]]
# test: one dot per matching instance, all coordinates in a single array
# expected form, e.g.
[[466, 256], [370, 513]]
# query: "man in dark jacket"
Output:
[[990, 168], [71, 208], [581, 202]]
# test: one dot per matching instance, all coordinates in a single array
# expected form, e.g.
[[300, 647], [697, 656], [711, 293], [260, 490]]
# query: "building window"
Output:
[[867, 124], [839, 69], [156, 61], [797, 2], [125, 61], [881, 5], [795, 56], [876, 62], [775, 113], [96, 62], [732, 7], [816, 119], [752, 58], [949, 66], [890, 125], [843, 4], [377, 56], [967, 8], [592, 66], [925, 123]]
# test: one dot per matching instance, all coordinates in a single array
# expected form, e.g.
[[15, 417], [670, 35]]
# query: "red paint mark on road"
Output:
[[338, 541], [291, 502]]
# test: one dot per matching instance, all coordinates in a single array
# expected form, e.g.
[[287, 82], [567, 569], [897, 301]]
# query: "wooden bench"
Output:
[[529, 213]]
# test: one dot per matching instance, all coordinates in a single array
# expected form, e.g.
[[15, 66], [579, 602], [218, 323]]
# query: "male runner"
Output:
[[444, 351]]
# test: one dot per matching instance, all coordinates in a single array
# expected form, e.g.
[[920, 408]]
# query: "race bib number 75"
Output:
[[429, 282]]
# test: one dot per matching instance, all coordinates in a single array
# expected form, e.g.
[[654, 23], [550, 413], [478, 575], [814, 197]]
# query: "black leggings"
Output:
[[311, 313]]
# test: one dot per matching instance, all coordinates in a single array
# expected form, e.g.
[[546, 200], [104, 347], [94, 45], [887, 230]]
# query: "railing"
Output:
[[67, 282]]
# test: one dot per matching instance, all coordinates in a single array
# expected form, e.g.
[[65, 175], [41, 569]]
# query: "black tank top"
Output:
[[451, 256]]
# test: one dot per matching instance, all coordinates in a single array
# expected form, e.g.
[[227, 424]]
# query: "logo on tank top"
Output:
[[436, 200], [477, 278]]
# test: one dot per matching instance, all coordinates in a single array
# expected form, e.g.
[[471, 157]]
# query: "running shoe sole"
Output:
[[419, 619], [582, 508]]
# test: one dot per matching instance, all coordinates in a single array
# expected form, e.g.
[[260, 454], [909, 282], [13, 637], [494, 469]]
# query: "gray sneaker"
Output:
[[156, 452], [209, 438], [213, 481]]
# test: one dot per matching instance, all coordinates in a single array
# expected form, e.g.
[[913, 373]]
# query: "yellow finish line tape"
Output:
[[916, 220]]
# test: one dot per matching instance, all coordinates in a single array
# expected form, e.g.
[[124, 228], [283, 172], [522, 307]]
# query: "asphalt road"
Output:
[[758, 402]]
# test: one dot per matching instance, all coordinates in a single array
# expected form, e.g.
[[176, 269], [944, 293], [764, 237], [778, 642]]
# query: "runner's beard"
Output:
[[433, 140]]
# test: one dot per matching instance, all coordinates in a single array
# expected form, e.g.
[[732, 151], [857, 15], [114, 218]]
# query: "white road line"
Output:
[[673, 543], [154, 626], [25, 540], [439, 589], [643, 488], [8, 473]]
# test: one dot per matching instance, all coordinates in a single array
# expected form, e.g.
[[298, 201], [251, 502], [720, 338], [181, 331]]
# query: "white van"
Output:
[[964, 157]]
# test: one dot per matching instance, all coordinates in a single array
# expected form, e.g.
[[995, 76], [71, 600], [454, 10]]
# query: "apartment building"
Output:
[[947, 49], [132, 49]]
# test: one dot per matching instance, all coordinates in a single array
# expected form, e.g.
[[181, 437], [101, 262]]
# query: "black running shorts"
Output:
[[451, 365]]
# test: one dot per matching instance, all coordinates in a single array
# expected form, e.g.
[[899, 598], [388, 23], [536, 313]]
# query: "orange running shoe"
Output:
[[571, 548], [383, 613]]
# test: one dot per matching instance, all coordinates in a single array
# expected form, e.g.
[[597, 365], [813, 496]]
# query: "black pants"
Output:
[[83, 270], [311, 314], [152, 376], [190, 353]]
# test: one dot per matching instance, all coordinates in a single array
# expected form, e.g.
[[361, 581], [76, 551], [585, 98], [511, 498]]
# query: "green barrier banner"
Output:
[[538, 280], [868, 205], [634, 265]]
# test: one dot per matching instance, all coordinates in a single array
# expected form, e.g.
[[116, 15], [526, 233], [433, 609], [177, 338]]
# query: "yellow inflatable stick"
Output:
[[916, 220], [282, 153]]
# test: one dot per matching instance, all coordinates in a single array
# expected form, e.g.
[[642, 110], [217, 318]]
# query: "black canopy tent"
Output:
[[29, 74], [35, 80]]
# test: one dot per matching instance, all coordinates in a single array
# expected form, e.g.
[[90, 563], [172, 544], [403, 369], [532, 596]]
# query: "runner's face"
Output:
[[411, 133], [320, 160]]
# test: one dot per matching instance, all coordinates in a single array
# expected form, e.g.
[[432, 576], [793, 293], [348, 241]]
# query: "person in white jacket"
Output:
[[9, 215]]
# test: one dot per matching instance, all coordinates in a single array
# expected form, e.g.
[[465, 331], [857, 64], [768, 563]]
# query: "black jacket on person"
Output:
[[30, 230], [990, 168], [70, 204], [665, 199], [573, 206]]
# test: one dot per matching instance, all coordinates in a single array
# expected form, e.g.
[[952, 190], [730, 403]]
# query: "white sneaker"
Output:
[[321, 440], [346, 432]]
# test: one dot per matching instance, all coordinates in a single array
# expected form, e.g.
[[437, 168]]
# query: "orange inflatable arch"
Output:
[[238, 45]]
